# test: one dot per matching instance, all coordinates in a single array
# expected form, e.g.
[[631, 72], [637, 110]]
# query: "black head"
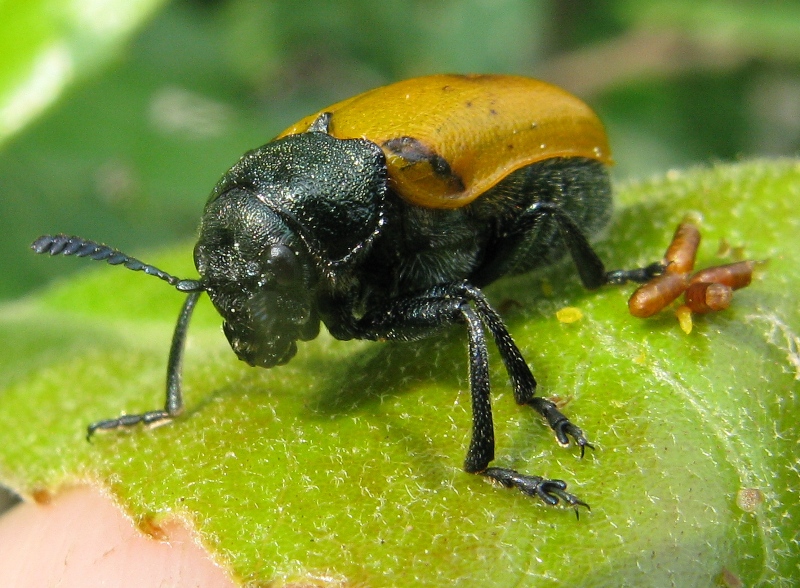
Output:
[[257, 276], [285, 217]]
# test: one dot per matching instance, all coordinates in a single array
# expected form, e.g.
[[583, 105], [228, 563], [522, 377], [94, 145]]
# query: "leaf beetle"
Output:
[[382, 217]]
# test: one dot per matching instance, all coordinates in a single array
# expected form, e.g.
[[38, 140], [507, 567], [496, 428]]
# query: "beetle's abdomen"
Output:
[[420, 248]]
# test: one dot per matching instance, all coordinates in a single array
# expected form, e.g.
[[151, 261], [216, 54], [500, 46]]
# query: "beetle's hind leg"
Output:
[[591, 268], [174, 402]]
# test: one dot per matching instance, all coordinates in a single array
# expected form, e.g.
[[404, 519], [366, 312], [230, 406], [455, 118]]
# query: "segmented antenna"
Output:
[[80, 247]]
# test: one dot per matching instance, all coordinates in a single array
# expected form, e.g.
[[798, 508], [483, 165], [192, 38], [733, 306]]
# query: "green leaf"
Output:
[[346, 462], [47, 44]]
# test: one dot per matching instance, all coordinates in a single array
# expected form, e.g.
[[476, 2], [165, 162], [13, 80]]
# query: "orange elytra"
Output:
[[450, 138]]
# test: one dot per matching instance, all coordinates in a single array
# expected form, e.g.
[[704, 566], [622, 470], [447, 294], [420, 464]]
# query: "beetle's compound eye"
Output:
[[284, 265]]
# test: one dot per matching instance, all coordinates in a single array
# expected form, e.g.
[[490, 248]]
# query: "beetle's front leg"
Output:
[[173, 405]]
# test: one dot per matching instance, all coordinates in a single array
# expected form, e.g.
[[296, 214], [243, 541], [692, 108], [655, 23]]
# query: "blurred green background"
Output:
[[118, 116]]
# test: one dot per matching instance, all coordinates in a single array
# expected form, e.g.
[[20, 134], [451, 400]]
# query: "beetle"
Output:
[[383, 217]]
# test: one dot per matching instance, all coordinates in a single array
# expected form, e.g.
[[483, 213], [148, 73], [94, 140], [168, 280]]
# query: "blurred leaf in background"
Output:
[[47, 45]]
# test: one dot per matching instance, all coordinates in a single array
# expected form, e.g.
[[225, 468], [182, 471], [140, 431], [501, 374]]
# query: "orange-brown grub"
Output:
[[703, 297], [682, 250], [734, 275], [657, 294]]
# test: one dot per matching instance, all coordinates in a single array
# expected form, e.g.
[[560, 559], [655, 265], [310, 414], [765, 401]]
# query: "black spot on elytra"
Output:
[[415, 151]]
